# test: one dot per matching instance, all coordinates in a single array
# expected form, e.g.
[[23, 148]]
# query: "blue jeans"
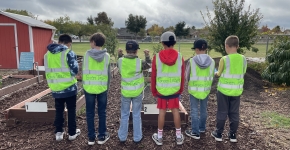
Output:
[[198, 122], [125, 113], [90, 112]]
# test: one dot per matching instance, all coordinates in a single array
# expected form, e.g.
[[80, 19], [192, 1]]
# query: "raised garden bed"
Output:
[[18, 111], [15, 82]]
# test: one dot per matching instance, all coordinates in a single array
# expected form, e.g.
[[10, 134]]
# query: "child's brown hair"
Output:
[[98, 38], [232, 41]]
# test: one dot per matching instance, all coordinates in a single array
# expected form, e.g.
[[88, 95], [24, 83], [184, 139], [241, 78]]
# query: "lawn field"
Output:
[[185, 49]]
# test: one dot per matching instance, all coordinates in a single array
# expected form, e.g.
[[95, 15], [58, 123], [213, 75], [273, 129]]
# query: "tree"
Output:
[[90, 20], [20, 12], [142, 33], [232, 19], [193, 28], [103, 18], [63, 24], [80, 29], [170, 28], [111, 38], [265, 29], [155, 30], [135, 23], [278, 70], [276, 29], [181, 30]]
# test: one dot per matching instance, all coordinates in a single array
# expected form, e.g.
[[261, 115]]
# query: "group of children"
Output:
[[167, 81]]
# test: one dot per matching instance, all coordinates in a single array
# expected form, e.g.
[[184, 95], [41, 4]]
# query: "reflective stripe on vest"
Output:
[[59, 78], [95, 81], [136, 78], [232, 84], [204, 82], [173, 79]]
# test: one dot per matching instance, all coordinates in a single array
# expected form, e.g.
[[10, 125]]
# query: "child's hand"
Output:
[[120, 51], [146, 52]]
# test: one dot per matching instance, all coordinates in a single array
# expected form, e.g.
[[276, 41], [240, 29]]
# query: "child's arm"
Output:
[[221, 68], [72, 63], [145, 64], [153, 77], [182, 76]]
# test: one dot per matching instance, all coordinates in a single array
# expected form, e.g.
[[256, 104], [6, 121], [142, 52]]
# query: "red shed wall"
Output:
[[41, 38], [22, 35]]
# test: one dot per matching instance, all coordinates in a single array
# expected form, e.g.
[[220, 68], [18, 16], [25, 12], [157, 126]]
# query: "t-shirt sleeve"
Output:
[[221, 67]]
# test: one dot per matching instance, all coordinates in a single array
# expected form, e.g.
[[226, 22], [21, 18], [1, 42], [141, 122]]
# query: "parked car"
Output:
[[147, 39], [74, 37]]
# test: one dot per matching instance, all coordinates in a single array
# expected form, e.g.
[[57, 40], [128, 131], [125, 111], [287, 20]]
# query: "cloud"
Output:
[[163, 12]]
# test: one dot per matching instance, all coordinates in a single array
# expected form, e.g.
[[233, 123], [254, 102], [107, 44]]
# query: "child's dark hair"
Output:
[[232, 41], [98, 38], [170, 43], [65, 39]]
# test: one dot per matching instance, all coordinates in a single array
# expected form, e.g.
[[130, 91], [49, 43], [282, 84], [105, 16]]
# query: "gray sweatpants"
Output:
[[227, 106]]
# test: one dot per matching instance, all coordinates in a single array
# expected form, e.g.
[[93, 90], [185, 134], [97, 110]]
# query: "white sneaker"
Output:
[[73, 137], [59, 136]]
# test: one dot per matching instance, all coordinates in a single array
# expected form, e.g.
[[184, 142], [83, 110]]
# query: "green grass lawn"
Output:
[[185, 49]]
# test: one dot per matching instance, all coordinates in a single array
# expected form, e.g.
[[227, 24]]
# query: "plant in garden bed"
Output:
[[278, 70]]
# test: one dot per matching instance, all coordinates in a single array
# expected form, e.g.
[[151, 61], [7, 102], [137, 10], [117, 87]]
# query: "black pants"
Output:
[[228, 106], [71, 109]]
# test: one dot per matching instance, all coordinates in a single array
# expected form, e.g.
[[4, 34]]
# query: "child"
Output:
[[167, 81], [132, 84], [200, 72], [61, 67], [232, 68], [96, 79]]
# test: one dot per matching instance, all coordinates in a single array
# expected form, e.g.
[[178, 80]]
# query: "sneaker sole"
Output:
[[233, 140], [103, 142], [194, 137], [217, 139], [91, 143], [179, 143], [157, 142]]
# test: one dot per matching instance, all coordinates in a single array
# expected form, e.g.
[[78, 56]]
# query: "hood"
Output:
[[56, 48], [202, 60], [168, 56], [97, 55]]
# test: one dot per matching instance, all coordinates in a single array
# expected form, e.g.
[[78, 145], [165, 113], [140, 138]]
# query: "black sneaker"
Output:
[[104, 139], [217, 136], [91, 141], [193, 135], [137, 142], [233, 137]]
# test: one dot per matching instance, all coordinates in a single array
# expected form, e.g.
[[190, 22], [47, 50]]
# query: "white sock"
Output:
[[159, 134], [178, 133]]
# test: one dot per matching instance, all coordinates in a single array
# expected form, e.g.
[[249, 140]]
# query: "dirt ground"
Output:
[[10, 81], [252, 133]]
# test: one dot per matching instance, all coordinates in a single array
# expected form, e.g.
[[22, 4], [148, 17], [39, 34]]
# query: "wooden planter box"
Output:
[[17, 113], [14, 87]]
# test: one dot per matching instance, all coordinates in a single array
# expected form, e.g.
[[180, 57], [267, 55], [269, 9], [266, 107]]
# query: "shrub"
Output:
[[278, 70]]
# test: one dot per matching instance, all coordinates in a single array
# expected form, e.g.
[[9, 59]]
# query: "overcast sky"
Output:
[[162, 12]]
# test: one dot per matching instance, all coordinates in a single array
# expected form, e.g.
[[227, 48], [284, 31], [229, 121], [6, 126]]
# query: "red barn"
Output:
[[22, 34]]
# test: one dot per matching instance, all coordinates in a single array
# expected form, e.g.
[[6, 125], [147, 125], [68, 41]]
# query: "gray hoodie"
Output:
[[202, 60], [99, 56]]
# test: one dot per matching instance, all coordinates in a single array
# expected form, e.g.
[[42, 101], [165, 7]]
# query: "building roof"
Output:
[[28, 20], [124, 32]]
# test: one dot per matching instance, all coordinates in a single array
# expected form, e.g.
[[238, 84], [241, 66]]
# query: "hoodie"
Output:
[[168, 57], [73, 65], [202, 60], [99, 56]]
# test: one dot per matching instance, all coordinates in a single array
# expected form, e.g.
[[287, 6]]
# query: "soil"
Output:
[[50, 100], [10, 81], [252, 133]]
